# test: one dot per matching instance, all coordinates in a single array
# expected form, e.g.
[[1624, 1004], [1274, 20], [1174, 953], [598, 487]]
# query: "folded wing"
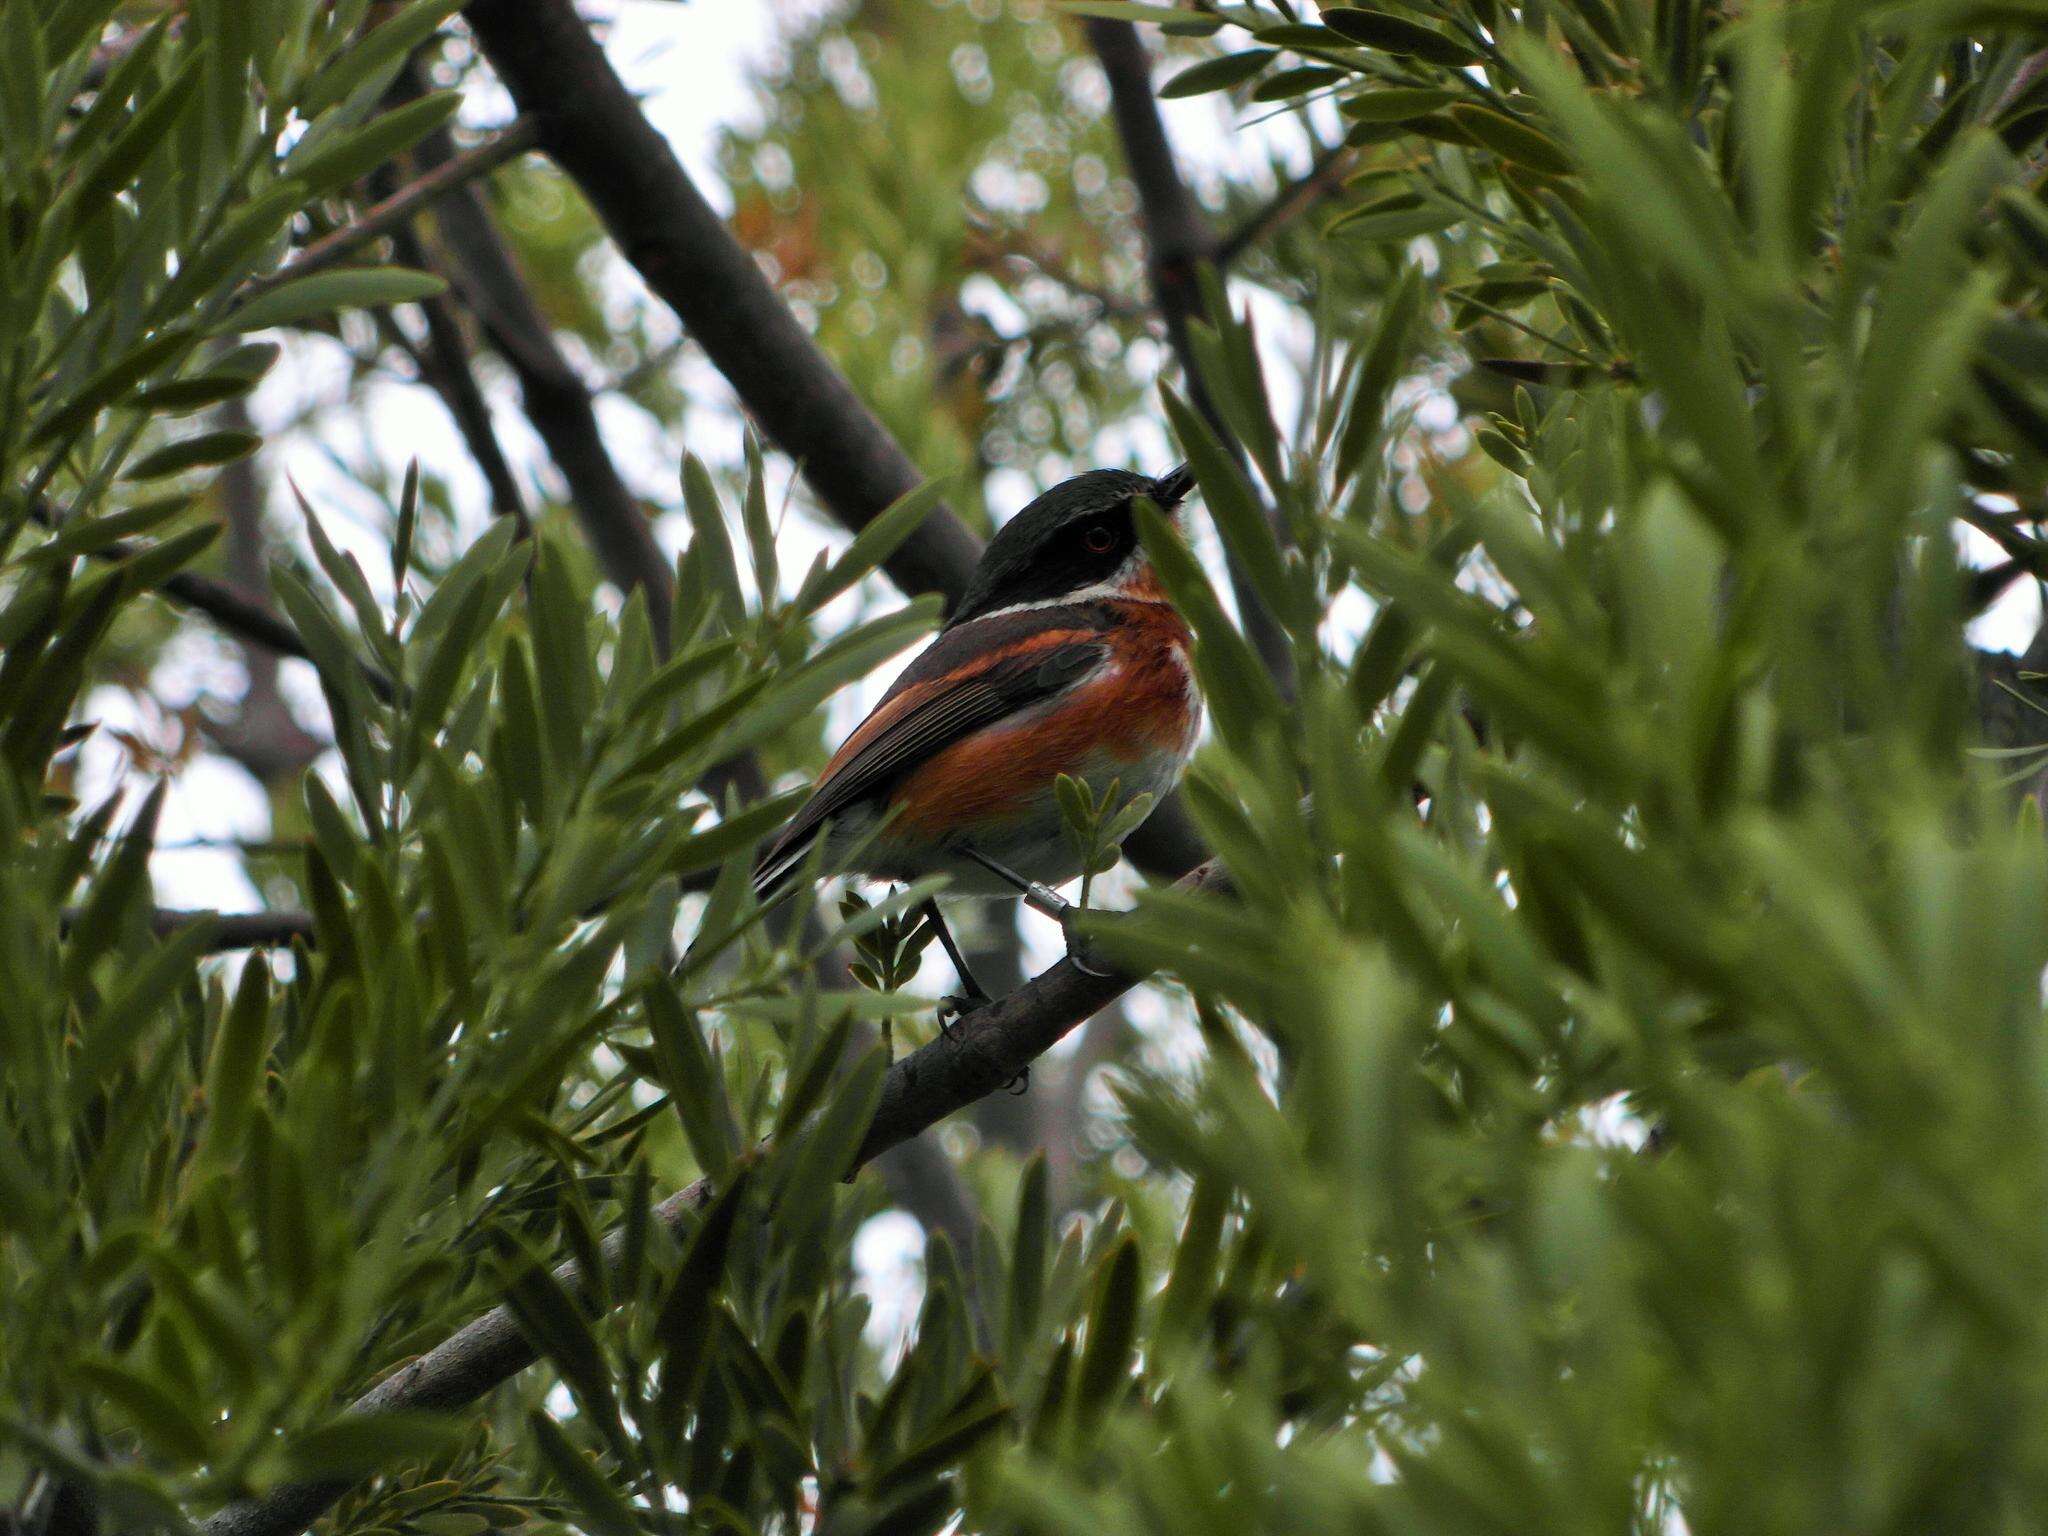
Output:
[[973, 676]]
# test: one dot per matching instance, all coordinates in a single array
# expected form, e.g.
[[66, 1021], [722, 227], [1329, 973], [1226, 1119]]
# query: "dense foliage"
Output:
[[1609, 1094]]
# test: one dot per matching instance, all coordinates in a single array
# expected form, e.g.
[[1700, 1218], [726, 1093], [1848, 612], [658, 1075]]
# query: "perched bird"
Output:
[[1063, 657]]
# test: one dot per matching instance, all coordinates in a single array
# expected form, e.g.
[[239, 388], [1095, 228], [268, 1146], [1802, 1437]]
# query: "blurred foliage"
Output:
[[934, 182], [1619, 1097]]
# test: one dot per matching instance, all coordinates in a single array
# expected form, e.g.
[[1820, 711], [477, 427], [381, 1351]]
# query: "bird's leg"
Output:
[[970, 996], [1040, 898], [1043, 898]]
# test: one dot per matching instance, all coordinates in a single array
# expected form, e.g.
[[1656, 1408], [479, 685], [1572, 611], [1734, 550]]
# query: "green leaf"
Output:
[[1512, 139], [308, 298], [162, 1413], [235, 1068], [84, 535], [112, 382], [1300, 81], [1239, 516], [1191, 1284], [1398, 36], [361, 150], [976, 1414], [685, 1324], [206, 450], [1217, 74], [1396, 104], [1130, 10], [380, 51], [181, 397], [808, 1078], [713, 543], [119, 888], [555, 1323], [874, 544], [144, 132], [1112, 1332], [694, 1081], [1026, 1293], [357, 1444], [760, 532]]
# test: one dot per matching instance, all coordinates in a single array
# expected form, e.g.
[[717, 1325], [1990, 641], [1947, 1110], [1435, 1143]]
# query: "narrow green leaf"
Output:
[[1026, 1293], [1397, 35], [1217, 74], [1112, 1332], [322, 293], [873, 545], [382, 50], [236, 1065], [361, 150], [207, 450]]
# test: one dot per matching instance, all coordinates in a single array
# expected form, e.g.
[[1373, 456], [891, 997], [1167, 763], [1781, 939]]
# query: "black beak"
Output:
[[1171, 488]]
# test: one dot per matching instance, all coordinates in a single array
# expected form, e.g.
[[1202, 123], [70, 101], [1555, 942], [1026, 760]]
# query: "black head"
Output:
[[1080, 534]]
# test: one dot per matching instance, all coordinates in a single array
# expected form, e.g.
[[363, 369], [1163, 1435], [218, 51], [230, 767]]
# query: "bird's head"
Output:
[[1077, 541]]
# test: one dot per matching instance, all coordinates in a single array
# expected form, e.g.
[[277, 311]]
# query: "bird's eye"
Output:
[[1097, 539]]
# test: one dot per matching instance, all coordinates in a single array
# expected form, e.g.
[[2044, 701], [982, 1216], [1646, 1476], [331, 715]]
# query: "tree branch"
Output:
[[231, 930], [397, 209], [988, 1048], [1181, 247], [590, 125], [554, 396], [1286, 205]]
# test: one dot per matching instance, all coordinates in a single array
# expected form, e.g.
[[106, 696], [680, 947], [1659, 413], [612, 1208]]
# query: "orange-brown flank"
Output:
[[1140, 706]]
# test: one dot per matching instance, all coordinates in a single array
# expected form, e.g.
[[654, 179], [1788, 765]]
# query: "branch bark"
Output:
[[1181, 247], [990, 1047], [590, 125], [553, 394], [1286, 205]]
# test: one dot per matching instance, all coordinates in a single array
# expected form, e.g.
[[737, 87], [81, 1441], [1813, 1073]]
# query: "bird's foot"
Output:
[[1080, 948], [957, 1006], [1019, 1085]]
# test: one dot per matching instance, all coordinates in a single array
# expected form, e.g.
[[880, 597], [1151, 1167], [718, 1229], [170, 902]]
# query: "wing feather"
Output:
[[943, 697]]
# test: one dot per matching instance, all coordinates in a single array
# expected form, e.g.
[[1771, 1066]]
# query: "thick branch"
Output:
[[555, 398], [1181, 247], [591, 126], [990, 1046]]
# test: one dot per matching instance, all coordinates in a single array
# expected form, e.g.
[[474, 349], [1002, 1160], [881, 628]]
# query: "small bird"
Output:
[[1063, 657]]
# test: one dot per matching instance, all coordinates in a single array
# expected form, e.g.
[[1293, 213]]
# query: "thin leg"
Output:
[[971, 994], [1041, 898]]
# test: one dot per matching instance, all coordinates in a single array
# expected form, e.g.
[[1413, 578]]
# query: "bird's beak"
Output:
[[1171, 488]]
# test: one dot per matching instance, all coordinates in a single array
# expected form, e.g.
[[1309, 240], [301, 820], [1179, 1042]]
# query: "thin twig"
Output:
[[1181, 247], [231, 930], [1287, 204], [383, 217]]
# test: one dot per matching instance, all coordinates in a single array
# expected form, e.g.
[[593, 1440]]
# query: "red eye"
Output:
[[1098, 539]]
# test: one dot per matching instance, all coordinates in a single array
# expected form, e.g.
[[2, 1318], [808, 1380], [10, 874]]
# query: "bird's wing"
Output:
[[947, 694]]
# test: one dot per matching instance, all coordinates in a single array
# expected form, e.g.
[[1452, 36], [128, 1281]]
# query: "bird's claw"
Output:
[[1019, 1085], [957, 1006], [1081, 950]]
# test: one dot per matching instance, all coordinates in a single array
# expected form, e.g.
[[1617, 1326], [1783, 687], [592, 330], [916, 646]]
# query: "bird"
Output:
[[1063, 656]]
